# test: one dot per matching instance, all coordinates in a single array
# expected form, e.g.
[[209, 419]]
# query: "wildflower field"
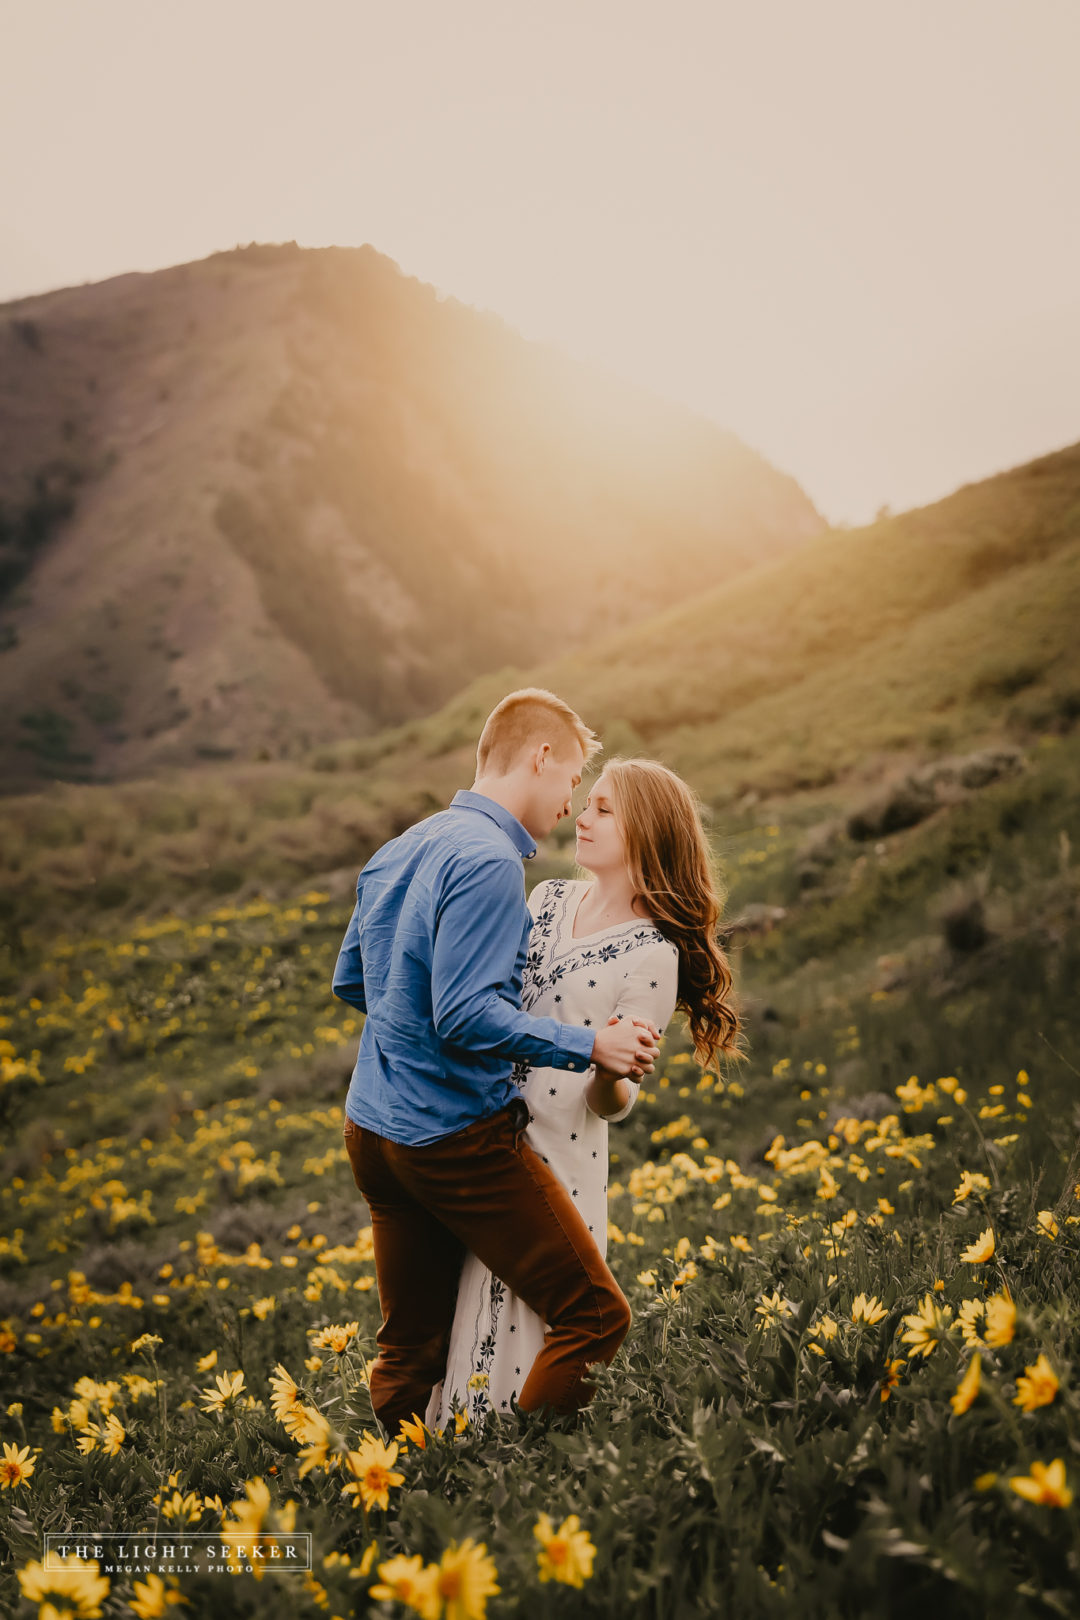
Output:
[[850, 1386]]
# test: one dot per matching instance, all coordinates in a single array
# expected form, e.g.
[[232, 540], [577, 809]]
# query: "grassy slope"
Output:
[[914, 631], [799, 683], [207, 1067]]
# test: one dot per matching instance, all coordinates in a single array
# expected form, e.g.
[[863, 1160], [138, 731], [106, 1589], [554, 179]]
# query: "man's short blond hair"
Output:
[[524, 720]]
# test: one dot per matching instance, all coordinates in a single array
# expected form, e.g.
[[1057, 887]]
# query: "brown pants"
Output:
[[485, 1190]]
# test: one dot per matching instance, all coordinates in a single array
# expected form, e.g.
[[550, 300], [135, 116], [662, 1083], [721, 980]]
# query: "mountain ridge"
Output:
[[280, 496]]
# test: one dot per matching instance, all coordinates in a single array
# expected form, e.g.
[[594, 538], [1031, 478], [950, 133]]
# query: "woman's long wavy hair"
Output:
[[670, 866]]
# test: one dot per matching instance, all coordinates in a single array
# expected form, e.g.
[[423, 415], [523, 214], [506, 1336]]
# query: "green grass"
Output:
[[185, 1076], [190, 1184]]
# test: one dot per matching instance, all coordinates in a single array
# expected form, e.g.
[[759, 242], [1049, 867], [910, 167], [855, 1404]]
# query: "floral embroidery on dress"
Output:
[[477, 1397], [576, 954]]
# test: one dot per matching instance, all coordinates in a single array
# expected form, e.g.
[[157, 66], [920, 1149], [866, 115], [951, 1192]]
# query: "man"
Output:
[[434, 955]]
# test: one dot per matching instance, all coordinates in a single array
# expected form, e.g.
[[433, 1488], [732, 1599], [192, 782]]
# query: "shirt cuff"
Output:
[[573, 1048]]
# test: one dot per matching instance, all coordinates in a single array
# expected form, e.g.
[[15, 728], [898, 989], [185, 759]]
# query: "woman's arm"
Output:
[[609, 1095], [648, 994]]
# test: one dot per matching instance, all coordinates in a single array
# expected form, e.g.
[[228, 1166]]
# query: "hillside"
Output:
[[938, 628], [279, 496], [895, 1159], [807, 686]]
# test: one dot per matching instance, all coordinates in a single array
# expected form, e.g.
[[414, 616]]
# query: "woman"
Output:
[[636, 941]]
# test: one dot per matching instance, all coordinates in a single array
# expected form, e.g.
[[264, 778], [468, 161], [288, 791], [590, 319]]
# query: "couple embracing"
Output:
[[501, 1039]]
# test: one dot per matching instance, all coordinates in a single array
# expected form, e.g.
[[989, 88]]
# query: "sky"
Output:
[[844, 229]]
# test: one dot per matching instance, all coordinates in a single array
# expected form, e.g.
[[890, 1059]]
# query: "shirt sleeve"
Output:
[[649, 991], [349, 971], [473, 996]]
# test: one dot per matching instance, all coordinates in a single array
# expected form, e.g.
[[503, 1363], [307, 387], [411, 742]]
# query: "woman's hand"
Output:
[[637, 1035]]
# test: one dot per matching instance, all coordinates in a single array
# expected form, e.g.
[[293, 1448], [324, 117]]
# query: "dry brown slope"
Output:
[[315, 498]]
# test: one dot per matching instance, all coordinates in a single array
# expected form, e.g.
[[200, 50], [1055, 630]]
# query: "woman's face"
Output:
[[600, 844]]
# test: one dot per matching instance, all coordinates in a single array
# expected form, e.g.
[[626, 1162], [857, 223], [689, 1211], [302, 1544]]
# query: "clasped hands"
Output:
[[626, 1047]]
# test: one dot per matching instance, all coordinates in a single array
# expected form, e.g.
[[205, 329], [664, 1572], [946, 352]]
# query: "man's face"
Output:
[[556, 776]]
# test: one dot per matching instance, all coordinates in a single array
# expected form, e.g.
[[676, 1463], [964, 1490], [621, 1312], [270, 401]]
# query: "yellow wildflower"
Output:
[[138, 1387], [406, 1580], [182, 1507], [228, 1388], [566, 1554], [892, 1376], [1047, 1224], [968, 1387], [364, 1566], [336, 1338], [152, 1597], [1045, 1485], [285, 1396], [413, 1431], [372, 1470], [977, 1253], [110, 1436], [970, 1312], [867, 1310], [1037, 1387], [828, 1186], [772, 1307], [927, 1326], [312, 1427], [1000, 1320], [466, 1580], [255, 1524], [73, 1587], [205, 1363], [16, 1467]]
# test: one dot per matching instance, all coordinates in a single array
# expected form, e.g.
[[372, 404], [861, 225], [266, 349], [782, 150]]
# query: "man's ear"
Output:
[[540, 757]]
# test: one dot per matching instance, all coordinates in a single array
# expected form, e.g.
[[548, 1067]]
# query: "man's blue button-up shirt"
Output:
[[433, 954]]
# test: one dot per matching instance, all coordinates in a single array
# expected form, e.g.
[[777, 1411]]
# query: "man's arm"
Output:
[[477, 935], [349, 972]]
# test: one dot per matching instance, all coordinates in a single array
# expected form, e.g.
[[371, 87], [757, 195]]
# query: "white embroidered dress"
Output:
[[630, 969]]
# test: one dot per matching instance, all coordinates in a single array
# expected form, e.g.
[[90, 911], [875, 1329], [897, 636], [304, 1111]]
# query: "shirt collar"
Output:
[[465, 799]]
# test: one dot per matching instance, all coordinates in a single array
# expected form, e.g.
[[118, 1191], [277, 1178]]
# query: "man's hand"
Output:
[[627, 1046]]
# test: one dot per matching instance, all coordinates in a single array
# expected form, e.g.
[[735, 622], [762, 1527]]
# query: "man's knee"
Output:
[[614, 1320], [620, 1309]]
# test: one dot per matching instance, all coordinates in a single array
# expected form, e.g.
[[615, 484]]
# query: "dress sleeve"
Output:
[[649, 991]]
